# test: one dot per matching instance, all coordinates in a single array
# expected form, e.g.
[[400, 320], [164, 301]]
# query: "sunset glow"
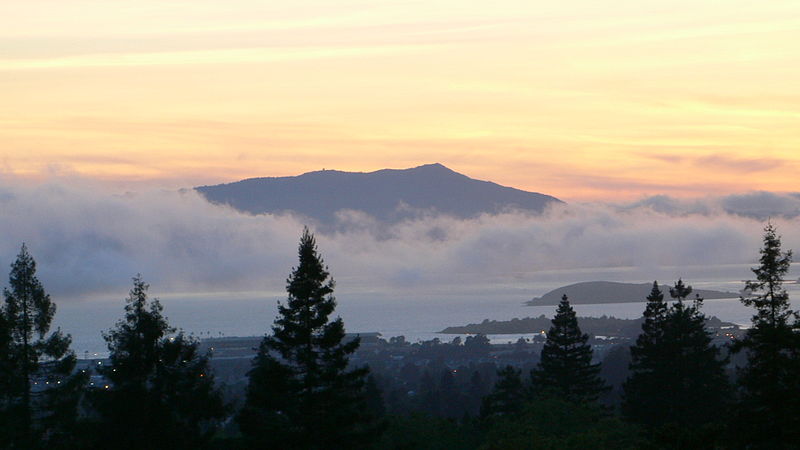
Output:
[[578, 99]]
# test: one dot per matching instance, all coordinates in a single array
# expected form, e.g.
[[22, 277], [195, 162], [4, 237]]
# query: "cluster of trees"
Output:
[[678, 392], [565, 370], [158, 390], [303, 392], [37, 382], [156, 393], [677, 381]]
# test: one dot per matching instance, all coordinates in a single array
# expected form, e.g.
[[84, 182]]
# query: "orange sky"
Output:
[[578, 99]]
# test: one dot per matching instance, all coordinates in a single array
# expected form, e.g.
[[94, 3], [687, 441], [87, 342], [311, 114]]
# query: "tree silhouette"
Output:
[[38, 394], [644, 389], [508, 395], [770, 383], [160, 391], [301, 393], [566, 368], [677, 375]]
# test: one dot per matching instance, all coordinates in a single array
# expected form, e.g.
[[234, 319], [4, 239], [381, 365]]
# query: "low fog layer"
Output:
[[90, 243]]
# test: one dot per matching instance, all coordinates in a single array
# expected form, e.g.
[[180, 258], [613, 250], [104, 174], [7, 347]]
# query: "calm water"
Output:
[[416, 316]]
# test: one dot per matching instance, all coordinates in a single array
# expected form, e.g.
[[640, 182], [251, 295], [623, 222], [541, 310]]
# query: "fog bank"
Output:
[[90, 243]]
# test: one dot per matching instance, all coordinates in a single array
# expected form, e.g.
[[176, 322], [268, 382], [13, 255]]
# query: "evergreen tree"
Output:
[[301, 393], [770, 383], [644, 390], [698, 368], [566, 368], [551, 423], [677, 374], [508, 395], [7, 385], [38, 394], [160, 391]]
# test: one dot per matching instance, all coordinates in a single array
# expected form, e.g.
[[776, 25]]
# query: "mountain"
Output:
[[595, 292], [388, 194]]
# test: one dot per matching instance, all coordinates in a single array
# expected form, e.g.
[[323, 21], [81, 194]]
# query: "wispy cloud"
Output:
[[726, 163], [739, 165], [228, 56]]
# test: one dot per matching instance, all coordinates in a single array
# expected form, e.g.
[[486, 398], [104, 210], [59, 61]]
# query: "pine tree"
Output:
[[38, 392], [677, 374], [8, 384], [301, 393], [160, 391], [770, 383], [566, 368], [644, 390], [508, 395], [697, 367]]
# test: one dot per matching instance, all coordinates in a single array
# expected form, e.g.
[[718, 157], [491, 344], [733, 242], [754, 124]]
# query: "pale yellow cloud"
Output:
[[227, 56]]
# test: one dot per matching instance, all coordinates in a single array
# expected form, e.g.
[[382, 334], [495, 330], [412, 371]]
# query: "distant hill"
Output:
[[605, 326], [388, 194], [594, 292], [595, 326]]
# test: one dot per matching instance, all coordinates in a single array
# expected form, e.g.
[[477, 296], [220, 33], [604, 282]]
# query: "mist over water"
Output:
[[219, 271], [417, 318]]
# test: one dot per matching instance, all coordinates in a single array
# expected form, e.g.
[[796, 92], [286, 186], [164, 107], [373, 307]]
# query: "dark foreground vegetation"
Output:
[[678, 382]]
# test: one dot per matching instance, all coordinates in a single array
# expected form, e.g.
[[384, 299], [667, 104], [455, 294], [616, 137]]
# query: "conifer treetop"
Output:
[[769, 382], [767, 293], [566, 368], [27, 303], [26, 353], [301, 391]]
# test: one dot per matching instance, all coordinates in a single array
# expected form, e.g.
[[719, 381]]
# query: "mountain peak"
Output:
[[388, 194], [437, 166]]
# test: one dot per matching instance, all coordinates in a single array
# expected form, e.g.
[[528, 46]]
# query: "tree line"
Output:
[[157, 389]]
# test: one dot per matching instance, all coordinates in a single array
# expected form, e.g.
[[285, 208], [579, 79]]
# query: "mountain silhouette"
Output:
[[388, 194]]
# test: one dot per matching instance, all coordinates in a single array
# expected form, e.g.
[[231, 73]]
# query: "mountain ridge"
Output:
[[386, 194]]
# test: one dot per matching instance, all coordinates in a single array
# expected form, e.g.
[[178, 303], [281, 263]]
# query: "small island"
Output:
[[599, 292], [594, 326]]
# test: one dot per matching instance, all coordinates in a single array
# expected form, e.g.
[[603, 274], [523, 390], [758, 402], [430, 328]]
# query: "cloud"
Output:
[[89, 243], [724, 162], [763, 204], [757, 205], [739, 165]]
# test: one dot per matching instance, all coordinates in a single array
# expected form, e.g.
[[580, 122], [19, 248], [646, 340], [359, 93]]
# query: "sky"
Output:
[[583, 100]]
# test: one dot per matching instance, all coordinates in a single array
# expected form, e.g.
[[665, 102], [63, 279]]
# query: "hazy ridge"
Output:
[[596, 292]]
